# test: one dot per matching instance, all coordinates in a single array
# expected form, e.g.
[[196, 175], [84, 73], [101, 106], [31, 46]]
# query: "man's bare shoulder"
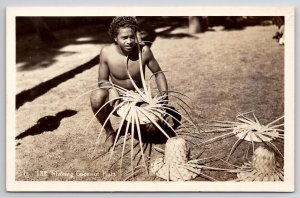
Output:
[[107, 49], [146, 49], [147, 53], [106, 52]]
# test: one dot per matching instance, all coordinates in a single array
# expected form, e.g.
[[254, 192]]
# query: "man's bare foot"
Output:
[[107, 143]]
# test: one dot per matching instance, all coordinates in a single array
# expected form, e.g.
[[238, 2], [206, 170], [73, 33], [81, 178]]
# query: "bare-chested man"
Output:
[[113, 57]]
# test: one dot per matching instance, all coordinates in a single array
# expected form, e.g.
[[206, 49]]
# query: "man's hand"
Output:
[[164, 97], [113, 94]]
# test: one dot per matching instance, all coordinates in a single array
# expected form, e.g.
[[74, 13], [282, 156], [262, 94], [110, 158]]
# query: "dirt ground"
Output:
[[223, 73]]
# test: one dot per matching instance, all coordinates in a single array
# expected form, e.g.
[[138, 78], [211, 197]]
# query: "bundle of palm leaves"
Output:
[[249, 130]]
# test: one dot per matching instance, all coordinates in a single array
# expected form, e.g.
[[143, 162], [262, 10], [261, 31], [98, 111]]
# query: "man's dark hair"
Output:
[[122, 21]]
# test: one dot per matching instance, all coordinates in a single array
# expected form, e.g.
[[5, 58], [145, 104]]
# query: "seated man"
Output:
[[113, 58]]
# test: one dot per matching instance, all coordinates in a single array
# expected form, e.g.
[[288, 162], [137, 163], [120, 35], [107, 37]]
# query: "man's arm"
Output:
[[103, 72], [154, 67]]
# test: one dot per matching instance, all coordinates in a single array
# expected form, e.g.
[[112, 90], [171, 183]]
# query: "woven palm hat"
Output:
[[262, 167], [174, 165]]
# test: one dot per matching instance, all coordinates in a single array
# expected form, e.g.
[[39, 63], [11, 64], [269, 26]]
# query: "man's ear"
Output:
[[115, 39]]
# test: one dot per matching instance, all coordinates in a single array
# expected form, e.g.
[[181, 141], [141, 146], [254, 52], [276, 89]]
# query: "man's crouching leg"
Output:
[[98, 98]]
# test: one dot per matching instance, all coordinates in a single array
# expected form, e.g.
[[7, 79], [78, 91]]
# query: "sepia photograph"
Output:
[[191, 99]]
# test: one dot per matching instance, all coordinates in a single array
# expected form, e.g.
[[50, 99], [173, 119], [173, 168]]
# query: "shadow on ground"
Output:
[[46, 124], [31, 94], [34, 49]]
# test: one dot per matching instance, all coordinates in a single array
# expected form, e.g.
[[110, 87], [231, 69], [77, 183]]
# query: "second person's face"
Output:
[[125, 39]]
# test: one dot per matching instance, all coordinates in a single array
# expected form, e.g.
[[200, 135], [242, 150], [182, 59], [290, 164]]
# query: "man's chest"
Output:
[[118, 67]]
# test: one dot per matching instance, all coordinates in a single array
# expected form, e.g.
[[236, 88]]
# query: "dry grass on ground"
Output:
[[223, 72]]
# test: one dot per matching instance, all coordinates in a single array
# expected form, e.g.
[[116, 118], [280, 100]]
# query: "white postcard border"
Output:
[[289, 148]]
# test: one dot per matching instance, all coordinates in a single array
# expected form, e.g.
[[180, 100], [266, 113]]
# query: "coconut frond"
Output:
[[124, 143], [140, 140], [152, 75], [118, 133], [153, 122], [95, 115], [218, 138], [102, 128], [248, 130], [184, 117]]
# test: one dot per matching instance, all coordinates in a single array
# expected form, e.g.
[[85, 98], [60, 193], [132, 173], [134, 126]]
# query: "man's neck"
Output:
[[120, 51]]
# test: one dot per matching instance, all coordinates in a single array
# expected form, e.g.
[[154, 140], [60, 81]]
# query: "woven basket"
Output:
[[173, 166]]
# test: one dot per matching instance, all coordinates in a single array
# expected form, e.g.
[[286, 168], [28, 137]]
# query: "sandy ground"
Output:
[[223, 72], [38, 62]]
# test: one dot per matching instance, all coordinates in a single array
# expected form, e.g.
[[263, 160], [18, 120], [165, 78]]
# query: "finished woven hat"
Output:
[[174, 165], [263, 167]]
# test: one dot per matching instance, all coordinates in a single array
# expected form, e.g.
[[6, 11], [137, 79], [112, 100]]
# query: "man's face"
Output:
[[125, 39]]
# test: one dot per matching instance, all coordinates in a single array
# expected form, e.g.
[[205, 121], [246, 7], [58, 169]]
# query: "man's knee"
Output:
[[98, 97]]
